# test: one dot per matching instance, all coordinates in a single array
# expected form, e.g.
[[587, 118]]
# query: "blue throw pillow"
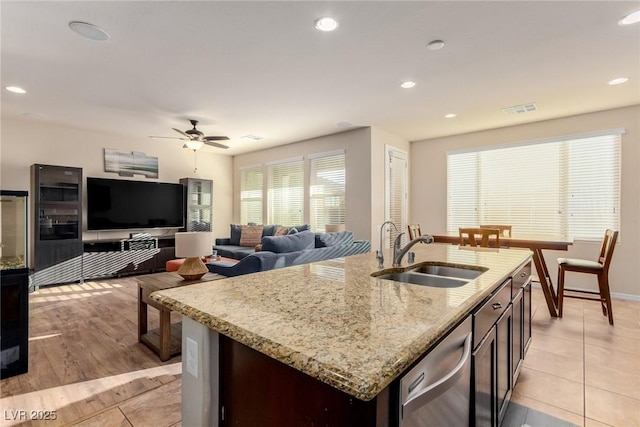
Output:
[[292, 230], [289, 243], [236, 231], [303, 227]]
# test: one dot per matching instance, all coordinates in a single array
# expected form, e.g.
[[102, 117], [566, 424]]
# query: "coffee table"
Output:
[[166, 341]]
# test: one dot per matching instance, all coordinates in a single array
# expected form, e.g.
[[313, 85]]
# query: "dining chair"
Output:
[[414, 231], [599, 268], [505, 230], [470, 235]]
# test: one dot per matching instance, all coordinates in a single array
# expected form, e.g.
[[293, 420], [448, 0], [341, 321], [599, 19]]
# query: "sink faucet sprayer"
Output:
[[398, 252], [379, 255]]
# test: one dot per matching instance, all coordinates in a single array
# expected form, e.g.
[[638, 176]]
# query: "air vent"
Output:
[[252, 137], [520, 109]]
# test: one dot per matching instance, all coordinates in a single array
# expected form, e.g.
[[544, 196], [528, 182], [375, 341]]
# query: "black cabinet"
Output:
[[503, 362], [484, 381], [517, 348], [57, 224]]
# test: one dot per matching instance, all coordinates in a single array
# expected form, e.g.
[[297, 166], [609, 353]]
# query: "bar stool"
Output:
[[470, 234], [599, 268]]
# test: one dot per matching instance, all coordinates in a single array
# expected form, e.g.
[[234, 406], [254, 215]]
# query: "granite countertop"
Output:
[[335, 322]]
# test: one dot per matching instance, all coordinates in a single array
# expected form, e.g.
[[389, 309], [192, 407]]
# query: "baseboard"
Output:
[[614, 295]]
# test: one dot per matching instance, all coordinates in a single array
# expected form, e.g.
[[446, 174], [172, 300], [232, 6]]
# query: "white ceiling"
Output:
[[261, 68]]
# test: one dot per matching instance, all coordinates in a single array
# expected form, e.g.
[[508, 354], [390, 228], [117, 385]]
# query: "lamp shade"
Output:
[[193, 244]]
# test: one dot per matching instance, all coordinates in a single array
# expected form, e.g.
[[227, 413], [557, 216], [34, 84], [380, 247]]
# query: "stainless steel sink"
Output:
[[424, 279], [429, 274], [448, 271]]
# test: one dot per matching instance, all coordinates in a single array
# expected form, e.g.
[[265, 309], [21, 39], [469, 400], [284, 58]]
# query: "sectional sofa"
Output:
[[303, 247]]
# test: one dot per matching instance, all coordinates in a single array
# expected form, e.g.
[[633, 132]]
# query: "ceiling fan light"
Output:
[[194, 145]]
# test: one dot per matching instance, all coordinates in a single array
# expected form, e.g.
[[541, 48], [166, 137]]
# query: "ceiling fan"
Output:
[[196, 139]]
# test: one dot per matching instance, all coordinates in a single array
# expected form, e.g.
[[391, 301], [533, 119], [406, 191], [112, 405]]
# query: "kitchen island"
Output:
[[330, 324]]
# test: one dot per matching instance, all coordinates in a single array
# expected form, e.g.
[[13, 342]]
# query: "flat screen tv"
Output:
[[118, 204]]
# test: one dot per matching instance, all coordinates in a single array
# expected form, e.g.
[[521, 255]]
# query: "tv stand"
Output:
[[121, 257]]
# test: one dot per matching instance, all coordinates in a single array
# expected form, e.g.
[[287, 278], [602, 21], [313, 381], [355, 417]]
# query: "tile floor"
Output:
[[579, 368]]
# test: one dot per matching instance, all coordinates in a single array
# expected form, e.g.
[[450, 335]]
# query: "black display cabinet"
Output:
[[14, 284]]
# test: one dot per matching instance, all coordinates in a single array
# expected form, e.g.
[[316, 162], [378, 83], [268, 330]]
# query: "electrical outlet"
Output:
[[192, 357]]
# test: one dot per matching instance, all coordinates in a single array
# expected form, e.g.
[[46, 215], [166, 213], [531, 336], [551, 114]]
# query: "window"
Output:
[[251, 195], [327, 189], [285, 193], [564, 186]]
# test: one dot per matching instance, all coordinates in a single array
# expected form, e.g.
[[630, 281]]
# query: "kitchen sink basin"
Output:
[[447, 271], [424, 279], [428, 274]]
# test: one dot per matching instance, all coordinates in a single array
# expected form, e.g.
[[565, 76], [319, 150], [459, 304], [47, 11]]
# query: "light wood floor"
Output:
[[85, 363]]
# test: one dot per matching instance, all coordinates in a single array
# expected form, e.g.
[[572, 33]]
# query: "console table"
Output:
[[166, 341]]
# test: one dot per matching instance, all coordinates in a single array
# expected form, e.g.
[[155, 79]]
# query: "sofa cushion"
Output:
[[251, 235], [325, 240], [236, 231], [269, 229], [303, 227], [289, 243]]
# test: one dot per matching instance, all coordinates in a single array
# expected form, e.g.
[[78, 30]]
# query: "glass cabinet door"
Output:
[[199, 204]]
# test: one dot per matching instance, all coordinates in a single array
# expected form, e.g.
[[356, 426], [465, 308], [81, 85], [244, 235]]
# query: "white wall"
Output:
[[27, 141], [357, 146], [428, 179]]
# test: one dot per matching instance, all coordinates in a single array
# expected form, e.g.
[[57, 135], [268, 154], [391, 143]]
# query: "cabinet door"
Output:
[[503, 361], [526, 317], [517, 347], [484, 381]]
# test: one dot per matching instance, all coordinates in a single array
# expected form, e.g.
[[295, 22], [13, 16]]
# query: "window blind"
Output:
[[327, 190], [397, 194], [285, 193], [569, 187], [251, 195]]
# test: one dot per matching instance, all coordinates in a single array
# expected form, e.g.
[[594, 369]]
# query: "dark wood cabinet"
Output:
[[484, 375], [57, 224], [504, 339], [257, 390], [498, 358]]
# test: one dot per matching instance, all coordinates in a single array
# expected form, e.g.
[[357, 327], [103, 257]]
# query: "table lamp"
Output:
[[193, 246]]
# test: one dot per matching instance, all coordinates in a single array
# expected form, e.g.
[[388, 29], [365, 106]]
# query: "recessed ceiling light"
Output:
[[408, 84], [326, 24], [450, 115], [89, 31], [435, 45], [15, 89], [618, 81], [631, 18]]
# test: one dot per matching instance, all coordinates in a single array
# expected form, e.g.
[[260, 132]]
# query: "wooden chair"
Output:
[[469, 235], [414, 231], [505, 230], [599, 268]]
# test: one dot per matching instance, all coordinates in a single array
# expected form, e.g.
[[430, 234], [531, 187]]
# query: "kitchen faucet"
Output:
[[379, 255], [398, 252]]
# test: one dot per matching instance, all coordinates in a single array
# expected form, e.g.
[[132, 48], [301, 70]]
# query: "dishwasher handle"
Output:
[[440, 386]]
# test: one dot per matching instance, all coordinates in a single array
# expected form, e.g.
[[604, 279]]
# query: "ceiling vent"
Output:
[[520, 109], [252, 137]]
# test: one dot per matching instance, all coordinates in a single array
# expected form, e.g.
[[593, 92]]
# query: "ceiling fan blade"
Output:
[[167, 137], [215, 138], [181, 133], [215, 144]]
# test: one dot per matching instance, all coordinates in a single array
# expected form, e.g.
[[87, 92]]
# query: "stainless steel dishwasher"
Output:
[[436, 391]]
